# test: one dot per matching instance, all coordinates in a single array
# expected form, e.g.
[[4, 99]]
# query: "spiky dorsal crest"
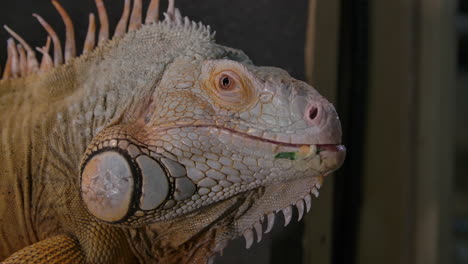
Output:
[[22, 61]]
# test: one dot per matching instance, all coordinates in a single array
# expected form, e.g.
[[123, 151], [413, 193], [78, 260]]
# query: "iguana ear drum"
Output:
[[114, 185], [107, 185]]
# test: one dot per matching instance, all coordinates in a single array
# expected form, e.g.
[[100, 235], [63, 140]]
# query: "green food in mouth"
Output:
[[305, 151], [286, 155]]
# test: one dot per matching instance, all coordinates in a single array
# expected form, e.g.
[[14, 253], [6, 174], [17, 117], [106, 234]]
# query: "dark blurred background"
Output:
[[397, 72]]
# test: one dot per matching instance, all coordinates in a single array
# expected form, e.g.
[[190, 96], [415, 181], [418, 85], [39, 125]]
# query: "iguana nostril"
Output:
[[313, 112]]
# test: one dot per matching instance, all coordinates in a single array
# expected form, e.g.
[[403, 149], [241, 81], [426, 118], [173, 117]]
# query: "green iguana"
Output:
[[158, 146]]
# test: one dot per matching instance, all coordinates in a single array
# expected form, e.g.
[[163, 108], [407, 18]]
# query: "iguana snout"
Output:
[[296, 113]]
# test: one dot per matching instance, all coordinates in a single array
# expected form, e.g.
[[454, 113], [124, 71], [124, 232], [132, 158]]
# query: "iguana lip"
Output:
[[328, 147], [332, 147]]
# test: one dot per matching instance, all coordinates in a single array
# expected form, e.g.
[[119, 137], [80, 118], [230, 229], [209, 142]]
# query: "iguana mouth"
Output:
[[287, 150], [332, 146]]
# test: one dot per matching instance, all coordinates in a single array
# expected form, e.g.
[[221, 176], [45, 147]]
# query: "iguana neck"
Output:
[[194, 238]]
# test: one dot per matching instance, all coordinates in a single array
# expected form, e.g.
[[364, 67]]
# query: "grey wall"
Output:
[[271, 32]]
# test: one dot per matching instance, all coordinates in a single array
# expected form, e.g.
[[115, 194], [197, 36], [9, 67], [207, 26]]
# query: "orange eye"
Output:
[[230, 89]]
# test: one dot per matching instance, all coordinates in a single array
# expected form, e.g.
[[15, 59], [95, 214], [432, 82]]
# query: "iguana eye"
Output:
[[225, 82], [229, 85], [229, 82]]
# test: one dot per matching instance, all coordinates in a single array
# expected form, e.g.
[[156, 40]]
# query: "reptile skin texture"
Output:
[[154, 145]]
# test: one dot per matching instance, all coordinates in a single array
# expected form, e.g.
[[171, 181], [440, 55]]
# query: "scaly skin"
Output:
[[157, 147]]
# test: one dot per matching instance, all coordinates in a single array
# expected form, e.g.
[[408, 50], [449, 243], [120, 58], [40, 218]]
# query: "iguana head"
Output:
[[215, 133], [188, 140]]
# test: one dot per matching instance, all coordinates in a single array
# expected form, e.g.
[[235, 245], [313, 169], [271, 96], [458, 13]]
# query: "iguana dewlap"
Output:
[[158, 146]]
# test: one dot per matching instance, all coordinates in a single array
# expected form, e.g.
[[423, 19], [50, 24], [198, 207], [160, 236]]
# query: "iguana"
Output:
[[157, 146]]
